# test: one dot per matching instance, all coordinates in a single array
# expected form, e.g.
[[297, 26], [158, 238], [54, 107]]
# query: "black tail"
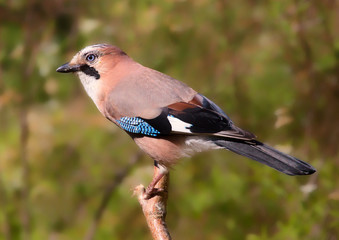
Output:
[[267, 155]]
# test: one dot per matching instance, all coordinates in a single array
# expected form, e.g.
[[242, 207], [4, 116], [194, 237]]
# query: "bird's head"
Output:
[[92, 60], [94, 65]]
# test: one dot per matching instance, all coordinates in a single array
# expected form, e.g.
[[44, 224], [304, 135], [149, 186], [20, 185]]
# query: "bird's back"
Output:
[[143, 92]]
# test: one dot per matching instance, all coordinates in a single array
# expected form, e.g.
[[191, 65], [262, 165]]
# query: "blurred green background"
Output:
[[68, 173]]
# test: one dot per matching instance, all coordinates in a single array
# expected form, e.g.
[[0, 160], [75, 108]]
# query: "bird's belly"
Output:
[[168, 150], [165, 150]]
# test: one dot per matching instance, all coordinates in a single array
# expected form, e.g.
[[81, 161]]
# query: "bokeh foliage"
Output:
[[272, 65]]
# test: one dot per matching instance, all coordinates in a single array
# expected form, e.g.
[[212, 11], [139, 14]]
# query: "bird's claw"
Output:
[[152, 192]]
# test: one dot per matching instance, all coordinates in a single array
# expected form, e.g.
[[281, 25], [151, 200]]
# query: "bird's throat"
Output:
[[91, 85]]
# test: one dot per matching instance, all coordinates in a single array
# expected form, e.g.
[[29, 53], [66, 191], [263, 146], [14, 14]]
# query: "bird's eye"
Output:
[[91, 57]]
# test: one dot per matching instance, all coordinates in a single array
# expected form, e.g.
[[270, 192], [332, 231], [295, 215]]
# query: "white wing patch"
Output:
[[178, 125]]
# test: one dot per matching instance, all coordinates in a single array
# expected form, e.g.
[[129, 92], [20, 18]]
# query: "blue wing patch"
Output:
[[137, 125]]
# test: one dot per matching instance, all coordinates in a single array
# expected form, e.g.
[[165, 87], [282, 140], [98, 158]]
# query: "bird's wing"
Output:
[[200, 116]]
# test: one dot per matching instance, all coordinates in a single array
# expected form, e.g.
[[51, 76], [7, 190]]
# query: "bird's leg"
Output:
[[151, 190]]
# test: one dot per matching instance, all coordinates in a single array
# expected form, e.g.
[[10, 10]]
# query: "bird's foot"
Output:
[[152, 192]]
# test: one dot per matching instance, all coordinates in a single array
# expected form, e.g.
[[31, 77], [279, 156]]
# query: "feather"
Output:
[[137, 125], [200, 116], [267, 155], [208, 120]]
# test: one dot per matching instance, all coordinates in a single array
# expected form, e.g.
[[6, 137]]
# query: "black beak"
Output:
[[66, 68]]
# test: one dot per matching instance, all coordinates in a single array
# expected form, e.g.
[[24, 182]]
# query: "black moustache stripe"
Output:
[[90, 71]]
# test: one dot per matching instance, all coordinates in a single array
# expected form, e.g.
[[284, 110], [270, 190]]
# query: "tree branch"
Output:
[[154, 208]]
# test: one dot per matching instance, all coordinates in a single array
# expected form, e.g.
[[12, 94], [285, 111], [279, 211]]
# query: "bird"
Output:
[[166, 118]]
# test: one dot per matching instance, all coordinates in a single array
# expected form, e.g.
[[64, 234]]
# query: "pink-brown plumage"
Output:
[[166, 118]]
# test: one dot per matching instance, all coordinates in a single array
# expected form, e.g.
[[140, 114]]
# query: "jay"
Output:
[[166, 118]]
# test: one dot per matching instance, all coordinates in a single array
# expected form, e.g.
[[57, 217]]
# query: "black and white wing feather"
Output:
[[197, 117], [202, 117]]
